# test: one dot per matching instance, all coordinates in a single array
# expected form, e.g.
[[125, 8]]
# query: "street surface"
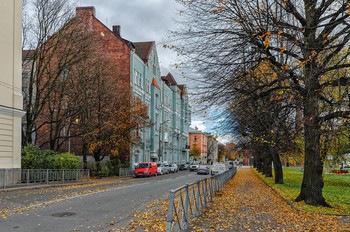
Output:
[[92, 207]]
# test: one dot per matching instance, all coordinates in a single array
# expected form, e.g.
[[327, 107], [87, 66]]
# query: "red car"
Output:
[[146, 169]]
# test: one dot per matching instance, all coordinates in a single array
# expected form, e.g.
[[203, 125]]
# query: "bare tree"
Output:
[[50, 54], [307, 43]]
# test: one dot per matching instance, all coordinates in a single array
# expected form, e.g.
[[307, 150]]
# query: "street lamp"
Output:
[[161, 136]]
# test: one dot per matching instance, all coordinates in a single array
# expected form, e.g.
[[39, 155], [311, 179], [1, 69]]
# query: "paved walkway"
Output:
[[248, 204]]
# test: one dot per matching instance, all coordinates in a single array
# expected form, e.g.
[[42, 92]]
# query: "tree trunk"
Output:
[[311, 188], [267, 169], [277, 165], [84, 154]]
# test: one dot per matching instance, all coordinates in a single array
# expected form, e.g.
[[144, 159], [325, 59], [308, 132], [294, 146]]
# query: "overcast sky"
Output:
[[140, 20]]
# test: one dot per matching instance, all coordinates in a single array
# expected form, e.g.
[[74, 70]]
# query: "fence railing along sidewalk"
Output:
[[27, 177], [189, 200]]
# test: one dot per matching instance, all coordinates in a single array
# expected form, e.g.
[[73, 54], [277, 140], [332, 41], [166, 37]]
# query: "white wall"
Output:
[[10, 83]]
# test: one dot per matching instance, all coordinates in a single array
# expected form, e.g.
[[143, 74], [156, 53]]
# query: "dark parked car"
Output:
[[184, 167]]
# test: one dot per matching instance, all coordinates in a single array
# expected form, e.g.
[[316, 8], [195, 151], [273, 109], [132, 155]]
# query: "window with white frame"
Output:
[[137, 78], [157, 101], [148, 86]]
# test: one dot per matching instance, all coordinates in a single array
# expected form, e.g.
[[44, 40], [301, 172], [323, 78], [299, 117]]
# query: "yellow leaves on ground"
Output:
[[151, 217], [248, 204]]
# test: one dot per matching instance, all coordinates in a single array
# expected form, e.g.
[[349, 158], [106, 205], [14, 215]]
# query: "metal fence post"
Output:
[[63, 175], [169, 220], [27, 177], [186, 207], [198, 199], [211, 189], [205, 192], [47, 176]]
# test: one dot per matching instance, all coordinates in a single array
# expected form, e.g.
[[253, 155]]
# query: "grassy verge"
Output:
[[336, 191]]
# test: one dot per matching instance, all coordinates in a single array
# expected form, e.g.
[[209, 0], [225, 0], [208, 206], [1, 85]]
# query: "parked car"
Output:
[[203, 170], [146, 169], [230, 164], [184, 167], [174, 168], [194, 166], [218, 168], [166, 168], [162, 169]]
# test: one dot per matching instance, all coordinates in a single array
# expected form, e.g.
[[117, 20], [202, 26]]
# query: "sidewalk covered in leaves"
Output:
[[248, 204]]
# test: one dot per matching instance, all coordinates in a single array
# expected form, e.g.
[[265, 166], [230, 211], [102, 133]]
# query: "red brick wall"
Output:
[[107, 45]]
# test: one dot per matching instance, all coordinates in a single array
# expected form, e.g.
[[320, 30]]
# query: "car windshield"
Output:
[[142, 165]]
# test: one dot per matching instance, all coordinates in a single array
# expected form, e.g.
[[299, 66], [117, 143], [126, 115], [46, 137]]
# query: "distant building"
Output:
[[213, 149], [176, 108], [11, 100], [199, 139]]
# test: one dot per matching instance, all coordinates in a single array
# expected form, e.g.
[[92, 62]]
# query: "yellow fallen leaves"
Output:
[[151, 217], [247, 204]]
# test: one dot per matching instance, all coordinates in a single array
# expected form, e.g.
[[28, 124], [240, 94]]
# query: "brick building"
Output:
[[199, 139]]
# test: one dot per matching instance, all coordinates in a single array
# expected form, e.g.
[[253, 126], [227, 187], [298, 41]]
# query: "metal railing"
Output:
[[188, 201], [126, 172], [26, 177]]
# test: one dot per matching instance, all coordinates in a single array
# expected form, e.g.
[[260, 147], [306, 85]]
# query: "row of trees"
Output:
[[73, 94], [280, 70]]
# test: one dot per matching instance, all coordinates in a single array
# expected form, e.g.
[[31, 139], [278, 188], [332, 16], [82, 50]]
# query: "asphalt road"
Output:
[[85, 208]]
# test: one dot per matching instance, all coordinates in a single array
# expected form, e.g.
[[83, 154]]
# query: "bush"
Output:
[[31, 157], [35, 158], [104, 171], [66, 161]]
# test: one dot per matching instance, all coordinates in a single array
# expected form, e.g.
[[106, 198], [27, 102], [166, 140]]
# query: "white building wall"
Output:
[[11, 101]]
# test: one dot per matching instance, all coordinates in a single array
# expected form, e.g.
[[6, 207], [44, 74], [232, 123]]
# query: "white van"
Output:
[[218, 168]]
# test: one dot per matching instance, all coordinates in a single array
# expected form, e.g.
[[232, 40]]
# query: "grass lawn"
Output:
[[336, 190]]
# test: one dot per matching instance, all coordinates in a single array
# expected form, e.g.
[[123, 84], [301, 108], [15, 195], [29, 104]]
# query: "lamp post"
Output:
[[161, 140]]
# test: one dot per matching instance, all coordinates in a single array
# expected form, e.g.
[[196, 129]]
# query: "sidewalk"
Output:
[[248, 204]]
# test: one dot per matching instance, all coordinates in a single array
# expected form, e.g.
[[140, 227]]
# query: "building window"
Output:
[[157, 122], [137, 78], [148, 86], [157, 101], [195, 139], [154, 70]]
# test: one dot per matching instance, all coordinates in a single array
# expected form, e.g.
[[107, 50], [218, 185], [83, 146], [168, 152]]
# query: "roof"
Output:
[[169, 79], [144, 49], [155, 84], [194, 131], [90, 11]]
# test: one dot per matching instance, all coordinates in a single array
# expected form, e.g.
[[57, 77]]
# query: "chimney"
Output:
[[85, 11], [116, 30]]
